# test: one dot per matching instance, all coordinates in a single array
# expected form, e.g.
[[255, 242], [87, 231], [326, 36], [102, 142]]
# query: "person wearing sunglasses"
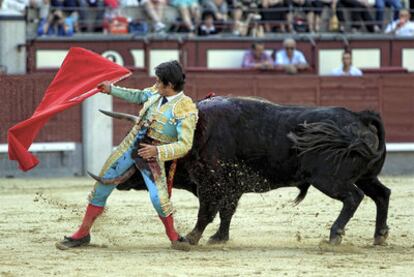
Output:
[[289, 58]]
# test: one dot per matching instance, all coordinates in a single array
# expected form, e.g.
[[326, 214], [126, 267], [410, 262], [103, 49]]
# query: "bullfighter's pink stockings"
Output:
[[92, 212], [169, 227]]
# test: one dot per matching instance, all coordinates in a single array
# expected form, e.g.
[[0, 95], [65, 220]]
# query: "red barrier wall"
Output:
[[19, 97]]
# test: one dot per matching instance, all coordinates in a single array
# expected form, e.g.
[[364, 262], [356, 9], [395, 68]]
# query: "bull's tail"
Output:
[[338, 143], [374, 123], [303, 191]]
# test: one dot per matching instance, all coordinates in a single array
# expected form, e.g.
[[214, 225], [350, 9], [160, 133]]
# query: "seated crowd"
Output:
[[210, 17], [291, 60]]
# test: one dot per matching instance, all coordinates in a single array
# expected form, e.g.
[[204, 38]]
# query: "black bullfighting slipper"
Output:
[[181, 244], [69, 242]]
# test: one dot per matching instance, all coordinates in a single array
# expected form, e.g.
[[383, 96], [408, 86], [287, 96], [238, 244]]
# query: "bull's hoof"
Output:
[[217, 239], [336, 238], [381, 237], [193, 237], [380, 240]]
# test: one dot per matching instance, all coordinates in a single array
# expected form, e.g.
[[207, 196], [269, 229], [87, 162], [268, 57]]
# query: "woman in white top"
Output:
[[347, 69]]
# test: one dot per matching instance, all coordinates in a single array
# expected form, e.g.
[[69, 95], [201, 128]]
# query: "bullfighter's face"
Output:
[[164, 90]]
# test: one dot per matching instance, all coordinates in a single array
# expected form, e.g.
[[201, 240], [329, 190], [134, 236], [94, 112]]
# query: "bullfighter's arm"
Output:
[[133, 95], [186, 114]]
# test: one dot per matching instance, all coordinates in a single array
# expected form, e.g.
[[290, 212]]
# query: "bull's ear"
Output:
[[125, 116]]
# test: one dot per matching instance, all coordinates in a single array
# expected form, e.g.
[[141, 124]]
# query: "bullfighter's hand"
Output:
[[104, 87], [147, 151]]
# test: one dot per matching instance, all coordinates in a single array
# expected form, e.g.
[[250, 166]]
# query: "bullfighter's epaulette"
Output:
[[184, 107]]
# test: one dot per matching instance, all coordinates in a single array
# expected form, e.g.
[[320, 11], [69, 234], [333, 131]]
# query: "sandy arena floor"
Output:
[[269, 237]]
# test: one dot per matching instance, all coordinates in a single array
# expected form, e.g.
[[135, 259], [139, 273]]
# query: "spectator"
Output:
[[18, 7], [207, 26], [43, 7], [114, 21], [347, 69], [315, 15], [250, 27], [130, 8], [91, 15], [56, 24], [402, 27], [359, 11], [67, 6], [290, 59], [113, 4], [245, 12], [153, 8], [218, 7], [69, 9], [256, 57], [293, 7], [190, 13], [14, 7], [273, 10], [380, 6]]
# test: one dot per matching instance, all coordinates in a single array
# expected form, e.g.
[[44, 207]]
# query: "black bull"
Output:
[[252, 145]]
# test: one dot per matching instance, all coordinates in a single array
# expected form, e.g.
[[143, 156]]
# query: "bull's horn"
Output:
[[129, 117], [117, 180]]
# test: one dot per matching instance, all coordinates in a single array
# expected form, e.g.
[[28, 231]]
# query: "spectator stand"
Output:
[[242, 19]]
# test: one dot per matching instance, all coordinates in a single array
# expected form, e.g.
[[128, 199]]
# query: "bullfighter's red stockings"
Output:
[[92, 212]]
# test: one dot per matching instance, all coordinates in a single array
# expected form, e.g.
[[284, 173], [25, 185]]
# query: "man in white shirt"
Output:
[[402, 27], [289, 58], [14, 7], [347, 69]]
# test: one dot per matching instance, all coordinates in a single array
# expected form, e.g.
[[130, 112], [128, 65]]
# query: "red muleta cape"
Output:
[[76, 80]]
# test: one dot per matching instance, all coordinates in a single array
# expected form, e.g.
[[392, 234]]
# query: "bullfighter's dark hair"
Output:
[[171, 72]]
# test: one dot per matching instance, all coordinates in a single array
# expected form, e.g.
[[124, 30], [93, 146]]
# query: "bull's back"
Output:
[[255, 132]]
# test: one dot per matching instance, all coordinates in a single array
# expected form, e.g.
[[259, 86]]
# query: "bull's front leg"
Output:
[[210, 191], [227, 210], [206, 213]]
